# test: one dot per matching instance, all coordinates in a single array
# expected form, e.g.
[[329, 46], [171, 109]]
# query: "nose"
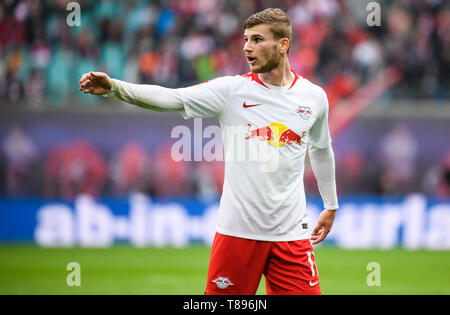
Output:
[[247, 47]]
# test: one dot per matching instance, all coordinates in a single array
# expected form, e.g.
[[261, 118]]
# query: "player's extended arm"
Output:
[[323, 166], [147, 96]]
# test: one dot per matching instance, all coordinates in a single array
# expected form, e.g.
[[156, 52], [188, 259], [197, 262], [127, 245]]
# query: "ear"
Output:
[[284, 45]]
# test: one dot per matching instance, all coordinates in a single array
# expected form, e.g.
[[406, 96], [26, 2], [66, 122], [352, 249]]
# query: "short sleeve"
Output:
[[207, 99], [319, 134]]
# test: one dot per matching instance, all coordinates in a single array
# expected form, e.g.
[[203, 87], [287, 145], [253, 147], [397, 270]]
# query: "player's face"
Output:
[[261, 49]]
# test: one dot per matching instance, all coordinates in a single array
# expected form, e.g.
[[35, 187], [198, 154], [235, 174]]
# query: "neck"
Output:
[[280, 76]]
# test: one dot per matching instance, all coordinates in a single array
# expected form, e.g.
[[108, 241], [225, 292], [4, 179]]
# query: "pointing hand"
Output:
[[97, 83]]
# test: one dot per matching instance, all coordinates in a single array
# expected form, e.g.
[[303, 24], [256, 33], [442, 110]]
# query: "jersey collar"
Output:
[[255, 77]]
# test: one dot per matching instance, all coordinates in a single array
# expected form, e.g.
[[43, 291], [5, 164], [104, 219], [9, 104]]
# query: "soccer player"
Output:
[[262, 223]]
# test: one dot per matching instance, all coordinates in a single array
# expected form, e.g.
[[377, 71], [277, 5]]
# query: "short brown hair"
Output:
[[277, 19]]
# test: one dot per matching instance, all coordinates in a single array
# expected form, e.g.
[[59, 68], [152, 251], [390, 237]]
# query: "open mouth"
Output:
[[251, 60]]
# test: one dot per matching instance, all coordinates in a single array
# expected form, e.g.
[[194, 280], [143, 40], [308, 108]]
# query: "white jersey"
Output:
[[263, 200]]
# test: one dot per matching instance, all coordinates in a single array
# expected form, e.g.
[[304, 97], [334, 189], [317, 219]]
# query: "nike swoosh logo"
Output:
[[311, 284], [246, 106]]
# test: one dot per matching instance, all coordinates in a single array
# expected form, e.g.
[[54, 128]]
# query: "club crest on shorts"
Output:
[[222, 282], [304, 112]]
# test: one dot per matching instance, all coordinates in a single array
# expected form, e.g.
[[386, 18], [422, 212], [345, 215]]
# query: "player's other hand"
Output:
[[323, 227], [97, 83]]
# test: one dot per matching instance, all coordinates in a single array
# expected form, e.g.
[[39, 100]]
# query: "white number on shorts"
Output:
[[313, 263]]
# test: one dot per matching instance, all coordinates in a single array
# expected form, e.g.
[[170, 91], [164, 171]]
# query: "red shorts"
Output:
[[237, 264]]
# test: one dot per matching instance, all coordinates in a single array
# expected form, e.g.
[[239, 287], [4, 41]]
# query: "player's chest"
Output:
[[293, 110], [280, 119]]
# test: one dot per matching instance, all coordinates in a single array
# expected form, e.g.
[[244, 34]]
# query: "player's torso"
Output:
[[264, 199]]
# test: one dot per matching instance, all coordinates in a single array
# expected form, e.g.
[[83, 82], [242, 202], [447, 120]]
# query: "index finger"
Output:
[[319, 239], [84, 77], [96, 74], [316, 229], [321, 236]]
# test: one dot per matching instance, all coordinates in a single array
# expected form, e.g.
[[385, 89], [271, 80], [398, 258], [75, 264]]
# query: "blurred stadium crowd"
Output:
[[180, 43], [177, 43]]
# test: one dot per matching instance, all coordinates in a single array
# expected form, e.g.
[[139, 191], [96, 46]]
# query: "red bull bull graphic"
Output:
[[276, 134], [222, 282], [263, 133]]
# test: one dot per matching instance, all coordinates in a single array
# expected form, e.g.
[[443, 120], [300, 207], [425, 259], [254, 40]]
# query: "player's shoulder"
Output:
[[315, 93], [312, 88], [246, 77], [226, 79], [232, 81], [221, 79], [221, 83]]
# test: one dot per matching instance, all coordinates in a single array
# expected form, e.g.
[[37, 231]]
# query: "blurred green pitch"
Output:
[[129, 270]]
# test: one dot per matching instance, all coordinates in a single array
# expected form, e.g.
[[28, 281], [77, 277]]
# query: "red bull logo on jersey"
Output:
[[222, 282], [304, 112], [276, 134]]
